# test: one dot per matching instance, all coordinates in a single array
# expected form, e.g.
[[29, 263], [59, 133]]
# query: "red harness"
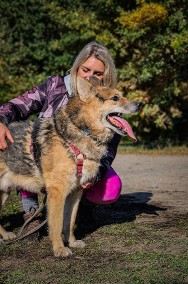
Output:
[[79, 159]]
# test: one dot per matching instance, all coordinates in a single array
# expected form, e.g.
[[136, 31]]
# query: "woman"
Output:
[[45, 99]]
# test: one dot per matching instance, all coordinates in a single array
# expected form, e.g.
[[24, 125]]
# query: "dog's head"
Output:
[[106, 106]]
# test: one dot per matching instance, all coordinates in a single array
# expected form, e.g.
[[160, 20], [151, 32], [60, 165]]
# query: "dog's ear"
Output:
[[95, 81], [84, 88]]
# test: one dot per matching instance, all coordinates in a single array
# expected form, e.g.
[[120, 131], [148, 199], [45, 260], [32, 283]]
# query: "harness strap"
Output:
[[79, 158]]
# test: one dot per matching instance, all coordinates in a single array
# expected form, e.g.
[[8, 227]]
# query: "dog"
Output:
[[64, 157]]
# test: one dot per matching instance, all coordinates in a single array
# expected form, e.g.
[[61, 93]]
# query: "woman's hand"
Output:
[[4, 133]]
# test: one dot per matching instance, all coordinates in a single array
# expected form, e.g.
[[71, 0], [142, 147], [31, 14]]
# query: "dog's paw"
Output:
[[62, 252], [77, 244], [9, 236]]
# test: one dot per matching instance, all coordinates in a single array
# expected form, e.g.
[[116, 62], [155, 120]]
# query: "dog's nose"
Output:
[[138, 105]]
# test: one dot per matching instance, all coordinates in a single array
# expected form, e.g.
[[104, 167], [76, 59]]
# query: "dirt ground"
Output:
[[155, 179], [149, 220]]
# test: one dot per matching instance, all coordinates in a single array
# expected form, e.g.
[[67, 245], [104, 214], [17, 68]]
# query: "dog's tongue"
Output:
[[121, 122]]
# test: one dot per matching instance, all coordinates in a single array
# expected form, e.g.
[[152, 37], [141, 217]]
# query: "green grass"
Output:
[[131, 148], [119, 250]]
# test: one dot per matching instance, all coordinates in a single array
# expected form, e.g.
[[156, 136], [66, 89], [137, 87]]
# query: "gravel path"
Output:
[[155, 179]]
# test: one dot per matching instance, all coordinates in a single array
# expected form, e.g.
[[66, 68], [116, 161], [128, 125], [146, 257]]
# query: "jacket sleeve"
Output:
[[24, 105], [107, 160]]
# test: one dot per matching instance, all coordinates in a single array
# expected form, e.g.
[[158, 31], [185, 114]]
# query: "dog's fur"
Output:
[[53, 164]]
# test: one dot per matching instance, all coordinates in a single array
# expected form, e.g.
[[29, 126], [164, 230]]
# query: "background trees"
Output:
[[148, 41]]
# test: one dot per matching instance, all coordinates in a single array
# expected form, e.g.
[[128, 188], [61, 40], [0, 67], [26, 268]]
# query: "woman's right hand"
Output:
[[4, 133]]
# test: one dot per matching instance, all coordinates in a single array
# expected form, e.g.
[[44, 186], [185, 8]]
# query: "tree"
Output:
[[153, 67], [148, 41]]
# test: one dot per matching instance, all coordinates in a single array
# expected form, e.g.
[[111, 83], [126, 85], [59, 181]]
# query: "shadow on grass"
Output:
[[125, 209], [12, 221], [92, 216]]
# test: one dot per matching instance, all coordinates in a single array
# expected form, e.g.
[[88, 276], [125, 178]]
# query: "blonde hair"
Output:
[[100, 52]]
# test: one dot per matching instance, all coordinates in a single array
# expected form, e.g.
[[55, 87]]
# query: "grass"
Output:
[[131, 148], [121, 248]]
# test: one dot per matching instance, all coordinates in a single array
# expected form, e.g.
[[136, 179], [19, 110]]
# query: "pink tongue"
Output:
[[123, 124]]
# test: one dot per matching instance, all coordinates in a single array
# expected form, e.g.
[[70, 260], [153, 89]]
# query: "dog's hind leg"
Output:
[[5, 235], [3, 198], [70, 213], [55, 203]]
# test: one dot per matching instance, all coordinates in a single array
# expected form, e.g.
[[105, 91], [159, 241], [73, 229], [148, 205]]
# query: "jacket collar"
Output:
[[67, 84]]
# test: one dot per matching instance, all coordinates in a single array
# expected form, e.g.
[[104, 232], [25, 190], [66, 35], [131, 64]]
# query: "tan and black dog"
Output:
[[58, 143]]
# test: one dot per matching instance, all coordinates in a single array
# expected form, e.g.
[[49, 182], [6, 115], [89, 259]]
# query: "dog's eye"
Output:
[[100, 98], [115, 98]]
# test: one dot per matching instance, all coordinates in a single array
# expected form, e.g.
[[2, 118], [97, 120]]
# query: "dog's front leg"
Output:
[[90, 170], [55, 202], [70, 213]]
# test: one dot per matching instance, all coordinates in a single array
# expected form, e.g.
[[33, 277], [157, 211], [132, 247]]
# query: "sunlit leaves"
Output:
[[147, 15], [147, 39]]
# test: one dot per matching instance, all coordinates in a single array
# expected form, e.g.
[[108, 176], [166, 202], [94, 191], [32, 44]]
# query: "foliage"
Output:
[[147, 15], [147, 39], [154, 69]]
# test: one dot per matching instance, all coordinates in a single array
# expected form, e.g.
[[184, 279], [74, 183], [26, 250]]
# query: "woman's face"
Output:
[[91, 67]]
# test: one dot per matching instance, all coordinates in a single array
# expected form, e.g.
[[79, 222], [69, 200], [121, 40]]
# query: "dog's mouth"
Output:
[[121, 125]]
